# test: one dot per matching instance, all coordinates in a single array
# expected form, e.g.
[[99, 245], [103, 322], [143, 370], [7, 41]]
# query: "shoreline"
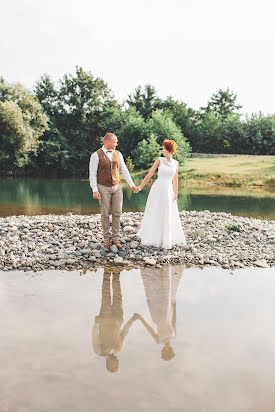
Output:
[[75, 242]]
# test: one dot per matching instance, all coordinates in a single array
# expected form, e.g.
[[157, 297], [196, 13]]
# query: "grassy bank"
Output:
[[233, 171]]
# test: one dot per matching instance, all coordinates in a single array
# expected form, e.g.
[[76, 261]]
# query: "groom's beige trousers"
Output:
[[110, 203]]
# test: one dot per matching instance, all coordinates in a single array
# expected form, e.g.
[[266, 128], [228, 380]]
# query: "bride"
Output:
[[161, 224]]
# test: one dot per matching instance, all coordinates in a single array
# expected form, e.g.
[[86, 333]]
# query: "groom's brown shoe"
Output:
[[118, 245], [107, 243]]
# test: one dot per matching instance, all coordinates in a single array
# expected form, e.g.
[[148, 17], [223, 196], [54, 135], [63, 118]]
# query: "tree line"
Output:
[[54, 128]]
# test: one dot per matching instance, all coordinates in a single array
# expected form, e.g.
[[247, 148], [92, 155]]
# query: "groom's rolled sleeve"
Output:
[[93, 171], [125, 171]]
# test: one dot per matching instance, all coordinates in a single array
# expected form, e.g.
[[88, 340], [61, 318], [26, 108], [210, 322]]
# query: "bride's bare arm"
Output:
[[150, 174], [175, 184], [148, 327]]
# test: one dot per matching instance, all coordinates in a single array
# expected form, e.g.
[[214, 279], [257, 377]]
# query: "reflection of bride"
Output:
[[107, 335], [160, 289]]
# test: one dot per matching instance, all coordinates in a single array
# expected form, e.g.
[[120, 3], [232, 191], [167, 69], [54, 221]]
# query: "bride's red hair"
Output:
[[170, 145]]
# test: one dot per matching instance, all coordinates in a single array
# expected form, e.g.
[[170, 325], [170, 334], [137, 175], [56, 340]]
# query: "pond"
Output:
[[138, 340], [32, 196]]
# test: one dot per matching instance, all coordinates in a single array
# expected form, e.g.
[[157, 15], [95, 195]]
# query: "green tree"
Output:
[[144, 101], [210, 136], [223, 102], [54, 151], [22, 122], [147, 151], [184, 117], [162, 125], [77, 112], [131, 132], [233, 133], [259, 133]]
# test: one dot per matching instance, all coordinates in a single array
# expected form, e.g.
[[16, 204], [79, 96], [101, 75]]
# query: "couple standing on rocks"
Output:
[[161, 226]]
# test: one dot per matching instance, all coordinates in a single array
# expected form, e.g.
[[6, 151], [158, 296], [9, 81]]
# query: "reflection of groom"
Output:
[[105, 167], [108, 335]]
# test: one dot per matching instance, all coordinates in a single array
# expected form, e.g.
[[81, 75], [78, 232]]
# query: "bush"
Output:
[[129, 164]]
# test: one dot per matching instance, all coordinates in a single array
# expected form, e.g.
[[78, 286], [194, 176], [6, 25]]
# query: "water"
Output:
[[58, 329], [32, 196]]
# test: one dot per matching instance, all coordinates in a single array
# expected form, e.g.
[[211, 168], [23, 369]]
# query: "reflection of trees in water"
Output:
[[137, 201], [244, 206], [61, 195], [46, 192]]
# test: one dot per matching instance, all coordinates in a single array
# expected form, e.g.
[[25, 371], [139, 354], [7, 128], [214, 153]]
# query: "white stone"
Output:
[[256, 225], [70, 261], [118, 260], [261, 264], [81, 244], [58, 262], [201, 233], [128, 229], [151, 262], [134, 245]]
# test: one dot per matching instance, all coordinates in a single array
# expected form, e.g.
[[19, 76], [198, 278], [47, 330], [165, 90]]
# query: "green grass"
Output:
[[231, 171]]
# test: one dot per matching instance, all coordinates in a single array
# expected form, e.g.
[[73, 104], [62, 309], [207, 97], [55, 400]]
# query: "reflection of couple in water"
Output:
[[160, 288]]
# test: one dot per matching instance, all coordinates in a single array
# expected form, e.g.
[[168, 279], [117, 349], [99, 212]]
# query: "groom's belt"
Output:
[[100, 184]]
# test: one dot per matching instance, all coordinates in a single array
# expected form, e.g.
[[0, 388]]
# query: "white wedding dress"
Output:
[[161, 225]]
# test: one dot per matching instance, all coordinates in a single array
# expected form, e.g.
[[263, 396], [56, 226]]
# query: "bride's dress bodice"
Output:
[[167, 169]]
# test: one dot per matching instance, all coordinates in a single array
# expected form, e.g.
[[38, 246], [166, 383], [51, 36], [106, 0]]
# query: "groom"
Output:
[[105, 167]]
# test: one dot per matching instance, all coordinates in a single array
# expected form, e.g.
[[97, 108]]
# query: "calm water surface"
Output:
[[32, 196], [141, 340]]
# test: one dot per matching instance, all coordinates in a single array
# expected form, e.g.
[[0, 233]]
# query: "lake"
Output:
[[32, 196], [138, 340]]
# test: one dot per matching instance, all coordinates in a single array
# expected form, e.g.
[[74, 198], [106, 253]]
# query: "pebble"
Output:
[[74, 241], [151, 262], [114, 248], [134, 245], [261, 264], [128, 229], [118, 260]]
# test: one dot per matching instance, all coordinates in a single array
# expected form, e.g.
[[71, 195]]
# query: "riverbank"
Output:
[[229, 171], [76, 241]]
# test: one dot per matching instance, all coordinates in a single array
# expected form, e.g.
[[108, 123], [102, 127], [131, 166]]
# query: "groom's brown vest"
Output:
[[108, 171]]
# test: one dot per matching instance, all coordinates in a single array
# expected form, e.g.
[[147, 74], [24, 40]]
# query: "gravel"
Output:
[[75, 241]]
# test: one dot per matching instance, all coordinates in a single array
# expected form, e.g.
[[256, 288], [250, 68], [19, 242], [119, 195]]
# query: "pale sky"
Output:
[[185, 48]]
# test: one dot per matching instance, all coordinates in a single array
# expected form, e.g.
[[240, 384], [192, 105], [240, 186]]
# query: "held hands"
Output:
[[137, 189], [176, 197], [96, 195]]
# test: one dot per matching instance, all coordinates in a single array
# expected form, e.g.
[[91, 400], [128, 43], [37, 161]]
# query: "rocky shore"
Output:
[[75, 241]]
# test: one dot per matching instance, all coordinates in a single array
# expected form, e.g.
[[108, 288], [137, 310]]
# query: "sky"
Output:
[[186, 49]]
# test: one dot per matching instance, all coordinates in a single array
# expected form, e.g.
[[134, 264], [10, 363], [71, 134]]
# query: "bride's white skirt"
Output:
[[161, 225]]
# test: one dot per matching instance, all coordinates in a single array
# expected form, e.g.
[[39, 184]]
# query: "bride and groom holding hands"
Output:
[[161, 225]]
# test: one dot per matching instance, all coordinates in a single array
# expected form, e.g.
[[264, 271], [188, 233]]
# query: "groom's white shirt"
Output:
[[94, 166]]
